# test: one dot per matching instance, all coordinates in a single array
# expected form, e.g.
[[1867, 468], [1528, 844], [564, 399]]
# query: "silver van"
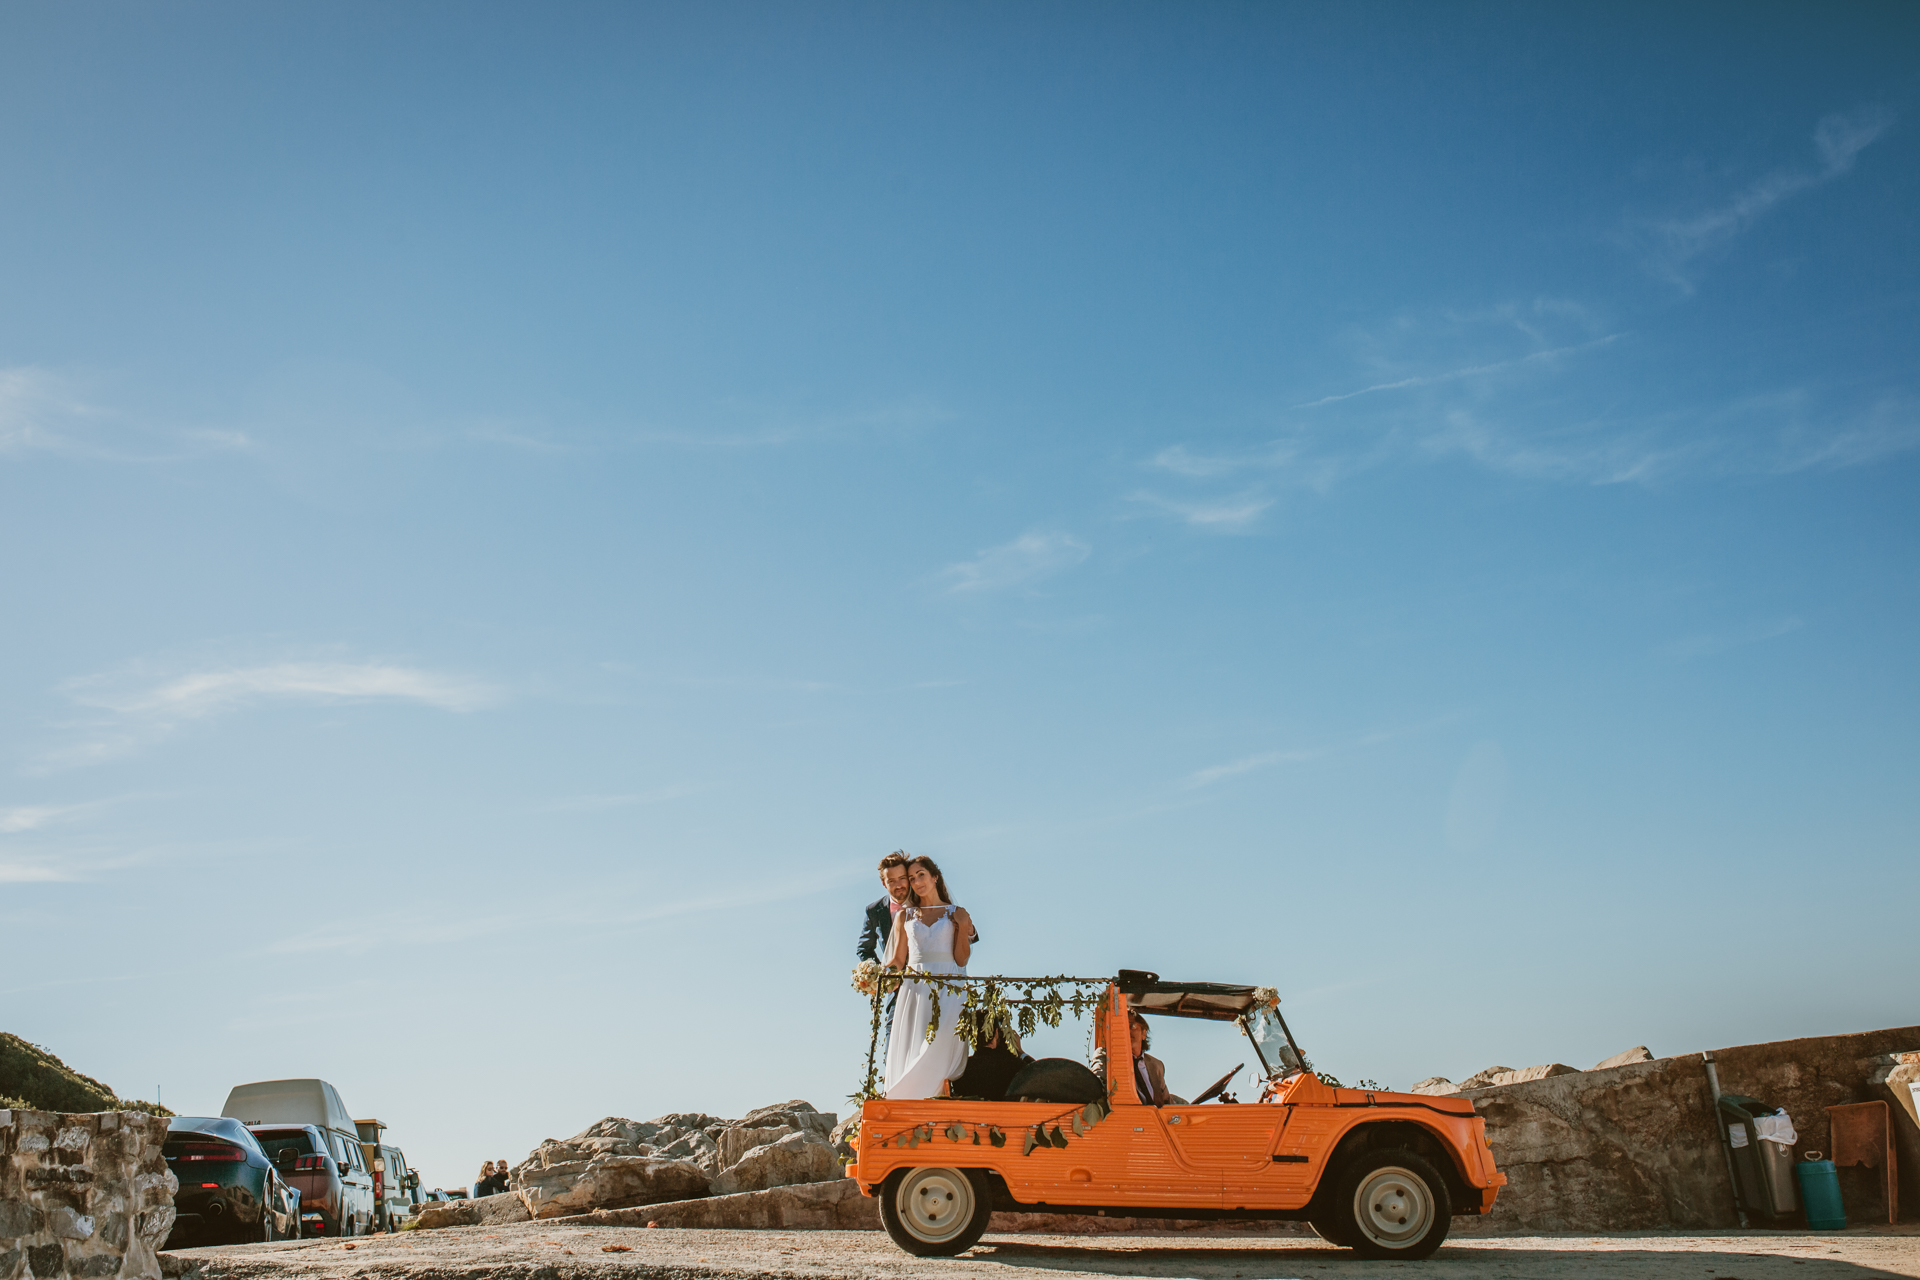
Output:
[[304, 1126]]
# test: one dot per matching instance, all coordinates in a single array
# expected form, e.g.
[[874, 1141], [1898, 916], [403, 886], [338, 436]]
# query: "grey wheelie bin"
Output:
[[1762, 1139]]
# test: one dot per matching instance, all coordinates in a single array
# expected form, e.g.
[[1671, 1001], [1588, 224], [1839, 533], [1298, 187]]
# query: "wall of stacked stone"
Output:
[[83, 1197], [1637, 1148]]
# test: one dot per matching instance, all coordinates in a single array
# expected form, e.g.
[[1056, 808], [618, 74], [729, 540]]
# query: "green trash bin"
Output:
[[1762, 1163]]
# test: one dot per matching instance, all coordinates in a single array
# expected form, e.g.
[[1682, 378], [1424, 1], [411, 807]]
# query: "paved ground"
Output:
[[529, 1251]]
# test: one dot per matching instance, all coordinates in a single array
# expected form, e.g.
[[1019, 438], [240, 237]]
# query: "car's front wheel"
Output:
[[1390, 1204], [935, 1213]]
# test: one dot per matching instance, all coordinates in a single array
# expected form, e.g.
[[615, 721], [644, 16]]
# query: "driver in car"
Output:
[[1149, 1074]]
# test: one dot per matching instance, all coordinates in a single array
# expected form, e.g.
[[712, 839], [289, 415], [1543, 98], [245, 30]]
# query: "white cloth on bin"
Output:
[[1775, 1129]]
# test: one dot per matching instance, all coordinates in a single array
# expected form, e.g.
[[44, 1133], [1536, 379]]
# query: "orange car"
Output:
[[1381, 1173]]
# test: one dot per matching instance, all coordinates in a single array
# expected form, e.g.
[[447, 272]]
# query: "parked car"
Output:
[[305, 1128], [230, 1191], [1378, 1172], [396, 1188]]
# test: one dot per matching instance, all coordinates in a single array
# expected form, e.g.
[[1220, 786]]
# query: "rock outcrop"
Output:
[[487, 1211], [620, 1163], [799, 1157], [1636, 1054], [83, 1196], [818, 1206]]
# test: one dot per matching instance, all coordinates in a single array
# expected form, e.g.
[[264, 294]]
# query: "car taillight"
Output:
[[378, 1180], [306, 1163], [209, 1151]]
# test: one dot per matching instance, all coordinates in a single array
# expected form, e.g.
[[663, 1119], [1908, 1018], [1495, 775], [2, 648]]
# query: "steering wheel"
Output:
[[1217, 1086]]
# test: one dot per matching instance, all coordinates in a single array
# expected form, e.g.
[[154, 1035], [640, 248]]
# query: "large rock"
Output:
[[1525, 1074], [795, 1115], [1481, 1079], [606, 1182], [796, 1158], [486, 1211], [819, 1206], [1435, 1086], [83, 1194], [1636, 1054], [739, 1140]]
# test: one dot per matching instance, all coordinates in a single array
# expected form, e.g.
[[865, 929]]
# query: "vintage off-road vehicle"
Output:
[[1381, 1173]]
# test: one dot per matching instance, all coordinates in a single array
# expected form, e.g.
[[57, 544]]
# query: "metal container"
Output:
[[1764, 1168]]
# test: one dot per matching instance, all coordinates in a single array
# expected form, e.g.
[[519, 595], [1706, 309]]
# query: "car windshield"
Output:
[[294, 1141], [1270, 1041]]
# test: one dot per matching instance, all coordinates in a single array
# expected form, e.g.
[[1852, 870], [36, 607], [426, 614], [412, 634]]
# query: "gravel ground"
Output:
[[529, 1251]]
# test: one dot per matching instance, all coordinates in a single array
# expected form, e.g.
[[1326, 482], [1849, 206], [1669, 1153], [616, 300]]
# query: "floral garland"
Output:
[[992, 1004]]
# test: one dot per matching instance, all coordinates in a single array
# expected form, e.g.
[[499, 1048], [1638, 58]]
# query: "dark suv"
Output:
[[329, 1172]]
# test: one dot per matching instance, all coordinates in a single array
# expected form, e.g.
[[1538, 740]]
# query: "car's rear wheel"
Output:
[[935, 1213], [1393, 1204]]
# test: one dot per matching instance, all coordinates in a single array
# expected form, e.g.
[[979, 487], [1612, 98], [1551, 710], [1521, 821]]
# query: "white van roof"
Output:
[[289, 1102]]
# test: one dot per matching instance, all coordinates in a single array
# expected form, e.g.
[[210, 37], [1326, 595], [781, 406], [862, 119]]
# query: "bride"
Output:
[[930, 935]]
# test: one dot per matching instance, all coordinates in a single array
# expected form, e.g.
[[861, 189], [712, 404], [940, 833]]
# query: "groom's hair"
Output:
[[895, 859]]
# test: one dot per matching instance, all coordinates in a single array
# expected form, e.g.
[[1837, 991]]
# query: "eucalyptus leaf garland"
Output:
[[991, 1004]]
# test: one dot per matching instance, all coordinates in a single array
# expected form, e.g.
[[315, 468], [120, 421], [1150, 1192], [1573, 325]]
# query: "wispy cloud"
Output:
[[622, 800], [32, 817], [141, 710], [43, 412], [1839, 139], [1206, 777], [204, 692], [1707, 645], [1027, 559], [18, 871], [1470, 371], [40, 413], [1247, 764], [1235, 513]]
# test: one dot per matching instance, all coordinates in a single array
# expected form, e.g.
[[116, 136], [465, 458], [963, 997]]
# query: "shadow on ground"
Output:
[[1475, 1259]]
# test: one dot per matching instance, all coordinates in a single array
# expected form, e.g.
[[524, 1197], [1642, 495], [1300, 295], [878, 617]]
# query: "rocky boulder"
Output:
[[606, 1182], [796, 1158], [819, 1206], [736, 1142], [486, 1211], [1636, 1054]]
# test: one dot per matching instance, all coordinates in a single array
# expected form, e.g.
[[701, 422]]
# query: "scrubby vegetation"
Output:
[[31, 1079]]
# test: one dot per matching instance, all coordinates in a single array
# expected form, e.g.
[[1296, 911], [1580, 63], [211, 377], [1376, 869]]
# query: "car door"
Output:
[[358, 1195], [1233, 1143]]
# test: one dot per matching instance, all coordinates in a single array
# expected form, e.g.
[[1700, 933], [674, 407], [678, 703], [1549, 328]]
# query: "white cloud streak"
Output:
[[1839, 138], [1027, 559], [205, 692], [141, 712], [1235, 513]]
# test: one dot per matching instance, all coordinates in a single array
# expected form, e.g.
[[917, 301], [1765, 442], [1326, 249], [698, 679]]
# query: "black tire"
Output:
[[1390, 1203], [935, 1213], [1327, 1228]]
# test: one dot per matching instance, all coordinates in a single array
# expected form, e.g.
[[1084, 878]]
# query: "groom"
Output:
[[879, 926]]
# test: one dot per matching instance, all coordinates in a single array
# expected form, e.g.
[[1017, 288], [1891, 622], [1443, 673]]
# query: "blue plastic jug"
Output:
[[1820, 1193]]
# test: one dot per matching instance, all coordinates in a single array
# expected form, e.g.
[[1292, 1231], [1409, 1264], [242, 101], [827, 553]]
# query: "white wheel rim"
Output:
[[935, 1204], [1393, 1207]]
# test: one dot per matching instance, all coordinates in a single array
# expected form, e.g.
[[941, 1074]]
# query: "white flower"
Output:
[[1265, 997], [866, 977]]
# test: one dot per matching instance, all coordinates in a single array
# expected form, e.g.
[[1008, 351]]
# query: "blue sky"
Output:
[[507, 513]]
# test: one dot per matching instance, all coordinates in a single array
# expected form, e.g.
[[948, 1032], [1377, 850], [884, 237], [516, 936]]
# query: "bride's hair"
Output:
[[939, 881]]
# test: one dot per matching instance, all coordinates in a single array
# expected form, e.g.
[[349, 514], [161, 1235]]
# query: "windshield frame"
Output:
[[1279, 1067]]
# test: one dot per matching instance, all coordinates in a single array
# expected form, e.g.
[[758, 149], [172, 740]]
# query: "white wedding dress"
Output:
[[915, 1068]]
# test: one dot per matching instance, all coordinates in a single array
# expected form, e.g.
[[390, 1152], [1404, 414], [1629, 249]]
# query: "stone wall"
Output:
[[1637, 1147], [83, 1196]]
